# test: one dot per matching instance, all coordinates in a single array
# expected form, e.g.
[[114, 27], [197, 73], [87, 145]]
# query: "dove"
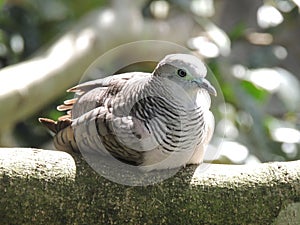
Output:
[[159, 120]]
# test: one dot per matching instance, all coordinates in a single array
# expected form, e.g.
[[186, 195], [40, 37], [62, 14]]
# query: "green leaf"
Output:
[[237, 32], [1, 3], [257, 93]]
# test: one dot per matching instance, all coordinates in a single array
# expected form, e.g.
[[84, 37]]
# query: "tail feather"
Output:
[[64, 136], [55, 126]]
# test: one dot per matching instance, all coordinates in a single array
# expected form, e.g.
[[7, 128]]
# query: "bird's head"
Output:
[[185, 70]]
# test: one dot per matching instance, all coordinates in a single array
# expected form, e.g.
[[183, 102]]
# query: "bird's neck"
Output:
[[168, 89]]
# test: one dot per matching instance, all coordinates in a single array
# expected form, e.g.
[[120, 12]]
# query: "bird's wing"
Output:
[[99, 131], [109, 125], [91, 97], [102, 119], [104, 82], [92, 94]]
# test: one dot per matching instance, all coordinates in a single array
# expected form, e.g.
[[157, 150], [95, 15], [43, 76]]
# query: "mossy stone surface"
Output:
[[66, 190]]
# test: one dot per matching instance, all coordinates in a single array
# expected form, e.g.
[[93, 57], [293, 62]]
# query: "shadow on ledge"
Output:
[[51, 187]]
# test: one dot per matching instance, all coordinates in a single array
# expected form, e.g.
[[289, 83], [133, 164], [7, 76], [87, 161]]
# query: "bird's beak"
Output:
[[203, 83]]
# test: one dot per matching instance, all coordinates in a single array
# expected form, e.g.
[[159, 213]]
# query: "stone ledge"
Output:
[[51, 187]]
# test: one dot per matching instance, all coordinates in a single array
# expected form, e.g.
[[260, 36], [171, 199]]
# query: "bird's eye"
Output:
[[181, 72]]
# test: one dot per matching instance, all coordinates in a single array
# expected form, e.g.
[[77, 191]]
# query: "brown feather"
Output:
[[64, 107], [55, 126], [50, 124], [70, 101], [68, 104], [65, 117], [76, 90], [64, 140]]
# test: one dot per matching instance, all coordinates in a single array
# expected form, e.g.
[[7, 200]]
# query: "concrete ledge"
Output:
[[50, 187]]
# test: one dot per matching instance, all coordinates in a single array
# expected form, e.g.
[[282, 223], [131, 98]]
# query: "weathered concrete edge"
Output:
[[197, 194]]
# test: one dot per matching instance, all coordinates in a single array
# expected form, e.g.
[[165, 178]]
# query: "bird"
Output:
[[156, 121]]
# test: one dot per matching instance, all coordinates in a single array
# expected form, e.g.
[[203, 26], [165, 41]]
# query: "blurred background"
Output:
[[252, 48]]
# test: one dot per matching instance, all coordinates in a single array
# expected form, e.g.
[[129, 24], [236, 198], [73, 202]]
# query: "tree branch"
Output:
[[41, 186]]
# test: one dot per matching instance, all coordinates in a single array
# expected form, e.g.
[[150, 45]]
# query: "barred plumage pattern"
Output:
[[140, 118]]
